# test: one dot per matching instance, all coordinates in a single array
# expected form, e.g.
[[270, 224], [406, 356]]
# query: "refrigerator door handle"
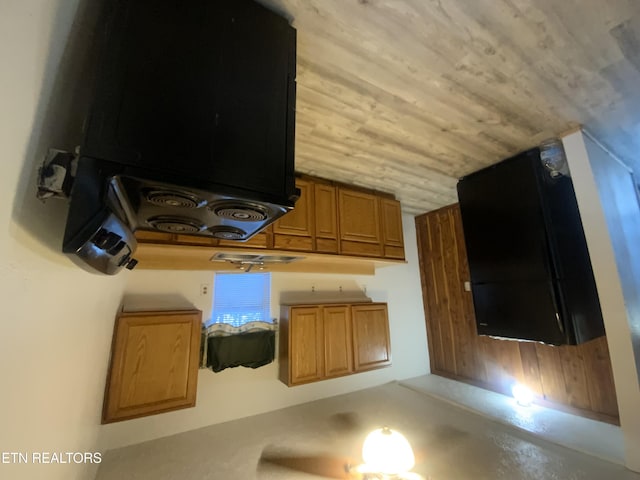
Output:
[[554, 298]]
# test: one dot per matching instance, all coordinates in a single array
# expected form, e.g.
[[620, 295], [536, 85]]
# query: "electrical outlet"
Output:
[[204, 289]]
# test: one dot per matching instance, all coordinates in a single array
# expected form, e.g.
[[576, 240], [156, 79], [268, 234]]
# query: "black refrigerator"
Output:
[[531, 274]]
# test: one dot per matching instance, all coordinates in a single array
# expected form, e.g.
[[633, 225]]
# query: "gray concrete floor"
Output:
[[450, 443]]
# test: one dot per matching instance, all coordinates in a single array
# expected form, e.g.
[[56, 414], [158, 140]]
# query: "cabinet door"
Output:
[[371, 345], [326, 218], [359, 223], [338, 357], [305, 345], [392, 237], [294, 231], [154, 364]]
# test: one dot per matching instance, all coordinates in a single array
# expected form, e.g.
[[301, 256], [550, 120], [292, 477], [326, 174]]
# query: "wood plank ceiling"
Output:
[[406, 96]]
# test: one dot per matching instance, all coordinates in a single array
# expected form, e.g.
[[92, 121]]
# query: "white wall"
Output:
[[596, 210], [56, 319], [239, 392]]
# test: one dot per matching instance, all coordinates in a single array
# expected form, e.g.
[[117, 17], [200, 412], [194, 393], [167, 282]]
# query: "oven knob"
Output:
[[106, 240], [131, 264]]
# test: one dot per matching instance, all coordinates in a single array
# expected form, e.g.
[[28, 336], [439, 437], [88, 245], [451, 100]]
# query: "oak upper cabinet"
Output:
[[154, 364], [301, 354], [338, 359], [326, 218], [392, 237], [315, 344], [371, 342], [294, 231], [359, 223], [318, 342]]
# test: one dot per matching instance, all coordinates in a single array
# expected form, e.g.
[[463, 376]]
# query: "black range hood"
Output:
[[531, 274], [190, 129]]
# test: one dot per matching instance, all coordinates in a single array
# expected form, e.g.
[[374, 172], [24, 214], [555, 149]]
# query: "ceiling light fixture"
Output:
[[387, 455]]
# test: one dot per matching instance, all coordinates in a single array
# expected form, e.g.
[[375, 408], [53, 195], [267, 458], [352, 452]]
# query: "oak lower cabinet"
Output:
[[359, 223], [318, 342], [326, 218], [154, 364], [392, 236], [294, 231], [329, 218]]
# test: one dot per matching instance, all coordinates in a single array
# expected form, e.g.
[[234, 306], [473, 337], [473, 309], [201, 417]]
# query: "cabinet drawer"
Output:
[[326, 245], [195, 240], [361, 249], [293, 242], [148, 236], [393, 252]]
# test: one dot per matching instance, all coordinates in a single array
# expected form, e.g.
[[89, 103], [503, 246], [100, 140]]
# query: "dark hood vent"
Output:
[[193, 117]]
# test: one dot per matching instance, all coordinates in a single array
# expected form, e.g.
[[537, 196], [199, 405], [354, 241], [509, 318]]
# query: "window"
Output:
[[239, 298]]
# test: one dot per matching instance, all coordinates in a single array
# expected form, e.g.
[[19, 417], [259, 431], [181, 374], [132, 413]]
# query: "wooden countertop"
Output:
[[189, 257]]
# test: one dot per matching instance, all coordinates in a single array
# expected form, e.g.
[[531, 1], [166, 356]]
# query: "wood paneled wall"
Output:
[[574, 378]]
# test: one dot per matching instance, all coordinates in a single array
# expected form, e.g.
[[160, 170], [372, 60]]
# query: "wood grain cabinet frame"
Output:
[[154, 364]]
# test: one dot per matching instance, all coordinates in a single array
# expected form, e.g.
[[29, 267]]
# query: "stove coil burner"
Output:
[[176, 224], [173, 198], [227, 233], [241, 212]]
